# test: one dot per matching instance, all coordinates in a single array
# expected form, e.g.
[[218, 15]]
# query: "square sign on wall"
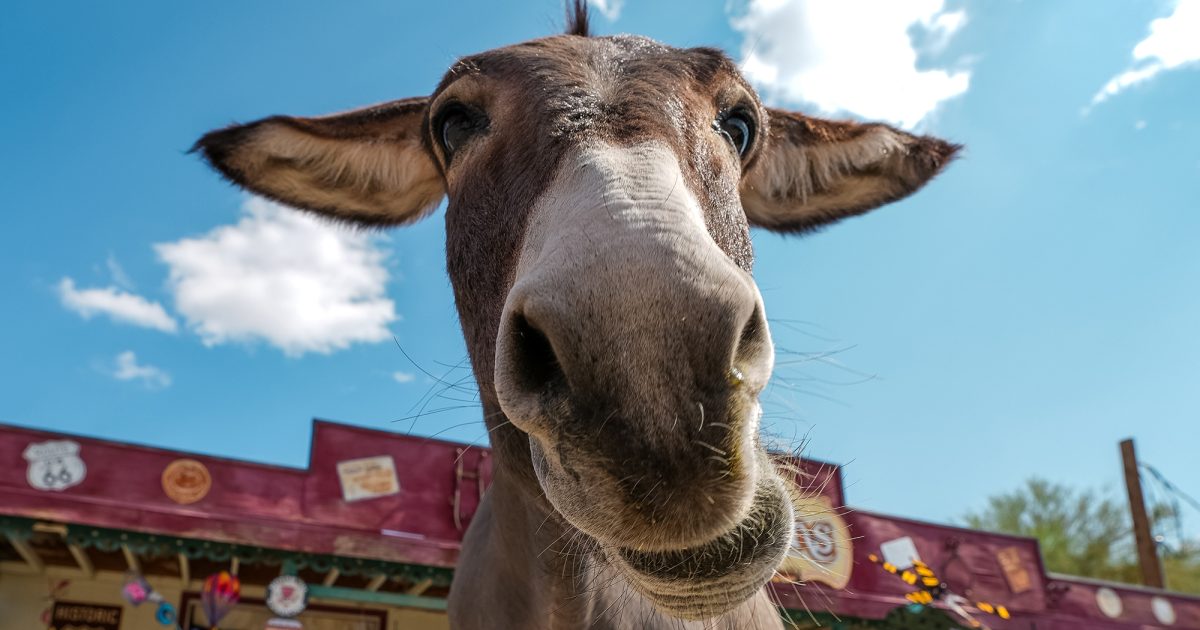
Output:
[[368, 478]]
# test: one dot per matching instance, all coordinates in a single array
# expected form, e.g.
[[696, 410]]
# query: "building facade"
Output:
[[118, 536]]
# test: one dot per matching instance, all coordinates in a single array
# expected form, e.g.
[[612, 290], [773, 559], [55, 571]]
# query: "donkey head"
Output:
[[600, 194]]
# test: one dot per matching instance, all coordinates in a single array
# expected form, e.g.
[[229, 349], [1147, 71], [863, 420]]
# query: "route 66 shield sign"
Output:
[[822, 550], [54, 465]]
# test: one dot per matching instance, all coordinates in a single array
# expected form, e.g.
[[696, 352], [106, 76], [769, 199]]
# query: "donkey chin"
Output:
[[695, 549]]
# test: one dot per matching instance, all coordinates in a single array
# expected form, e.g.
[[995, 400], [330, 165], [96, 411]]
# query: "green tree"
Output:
[[1084, 533]]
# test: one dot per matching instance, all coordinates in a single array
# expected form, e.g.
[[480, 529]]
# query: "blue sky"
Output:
[[1029, 309]]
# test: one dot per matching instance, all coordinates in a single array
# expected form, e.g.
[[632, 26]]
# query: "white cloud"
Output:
[[1173, 42], [610, 9], [852, 56], [298, 282], [404, 377], [127, 369], [121, 306]]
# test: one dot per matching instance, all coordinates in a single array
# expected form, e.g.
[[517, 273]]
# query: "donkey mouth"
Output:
[[712, 578]]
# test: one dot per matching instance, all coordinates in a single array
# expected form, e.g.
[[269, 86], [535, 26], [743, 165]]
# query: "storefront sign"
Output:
[[368, 478], [77, 616], [822, 550], [186, 481], [900, 552], [287, 596], [55, 465], [1015, 572]]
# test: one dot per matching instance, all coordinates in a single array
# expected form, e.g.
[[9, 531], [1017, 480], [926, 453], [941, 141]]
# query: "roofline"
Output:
[[314, 423], [1140, 588]]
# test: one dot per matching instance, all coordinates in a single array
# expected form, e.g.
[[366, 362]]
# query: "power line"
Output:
[[1172, 488]]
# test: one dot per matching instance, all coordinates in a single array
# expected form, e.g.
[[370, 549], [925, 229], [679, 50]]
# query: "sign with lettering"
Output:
[[1014, 571], [54, 465], [77, 616], [368, 478], [822, 550]]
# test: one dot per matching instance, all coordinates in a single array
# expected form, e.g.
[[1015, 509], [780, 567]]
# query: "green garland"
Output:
[[161, 546]]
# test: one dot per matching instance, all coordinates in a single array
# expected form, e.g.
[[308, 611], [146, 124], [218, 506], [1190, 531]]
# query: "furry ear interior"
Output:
[[814, 172], [367, 166]]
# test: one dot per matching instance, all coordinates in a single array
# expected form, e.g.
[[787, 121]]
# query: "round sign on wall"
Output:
[[287, 596], [1164, 612], [1109, 602], [186, 481]]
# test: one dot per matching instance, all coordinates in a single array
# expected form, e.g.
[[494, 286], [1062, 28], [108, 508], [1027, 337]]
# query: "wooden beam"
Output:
[[185, 571], [27, 554], [1147, 551], [50, 528], [376, 582], [82, 559], [419, 587], [359, 595], [331, 577], [131, 559], [234, 565]]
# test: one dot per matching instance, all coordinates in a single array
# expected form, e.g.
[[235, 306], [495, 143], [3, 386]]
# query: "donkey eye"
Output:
[[738, 129], [456, 125]]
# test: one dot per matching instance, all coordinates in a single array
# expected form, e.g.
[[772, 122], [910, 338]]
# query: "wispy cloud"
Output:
[[610, 9], [1173, 42], [126, 368], [852, 56], [404, 377], [119, 305], [119, 277], [297, 282]]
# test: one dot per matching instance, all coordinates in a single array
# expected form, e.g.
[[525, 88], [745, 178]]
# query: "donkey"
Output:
[[600, 194]]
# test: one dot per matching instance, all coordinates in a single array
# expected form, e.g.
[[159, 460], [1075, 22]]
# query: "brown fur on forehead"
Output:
[[617, 86], [623, 90]]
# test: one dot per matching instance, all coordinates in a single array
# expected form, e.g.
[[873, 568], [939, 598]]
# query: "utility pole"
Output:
[[1147, 551]]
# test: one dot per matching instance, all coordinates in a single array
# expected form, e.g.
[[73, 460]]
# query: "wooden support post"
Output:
[[82, 559], [420, 587], [331, 577], [27, 554], [234, 566], [376, 582], [1147, 551], [131, 559], [185, 571]]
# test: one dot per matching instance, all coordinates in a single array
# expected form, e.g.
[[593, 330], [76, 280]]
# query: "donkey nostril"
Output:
[[535, 366], [753, 349]]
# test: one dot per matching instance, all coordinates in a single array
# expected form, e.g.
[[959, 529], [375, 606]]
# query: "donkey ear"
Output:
[[814, 172], [366, 165]]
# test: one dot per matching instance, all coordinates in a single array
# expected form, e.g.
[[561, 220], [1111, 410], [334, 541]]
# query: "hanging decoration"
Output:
[[930, 588], [219, 595], [137, 591]]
